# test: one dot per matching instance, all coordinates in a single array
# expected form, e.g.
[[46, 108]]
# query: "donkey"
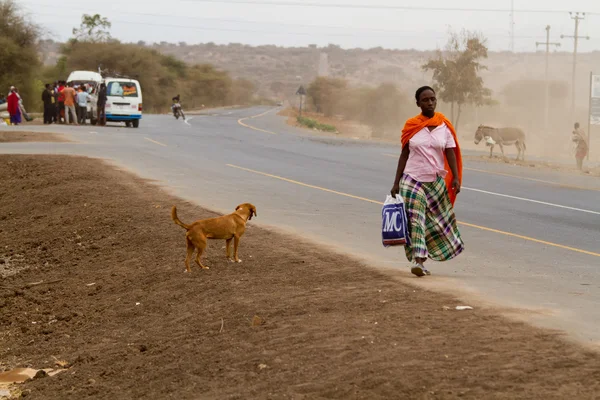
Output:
[[501, 137]]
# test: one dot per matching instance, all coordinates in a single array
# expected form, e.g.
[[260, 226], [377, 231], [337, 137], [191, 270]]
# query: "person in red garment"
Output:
[[13, 107]]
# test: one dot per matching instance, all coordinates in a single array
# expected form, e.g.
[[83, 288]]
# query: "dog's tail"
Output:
[[176, 219]]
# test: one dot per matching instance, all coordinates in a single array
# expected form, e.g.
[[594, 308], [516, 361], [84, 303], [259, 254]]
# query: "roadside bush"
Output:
[[313, 124], [383, 108]]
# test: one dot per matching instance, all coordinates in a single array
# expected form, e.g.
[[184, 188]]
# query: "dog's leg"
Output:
[[502, 150], [201, 246], [491, 150], [227, 247], [236, 243], [198, 255], [190, 252]]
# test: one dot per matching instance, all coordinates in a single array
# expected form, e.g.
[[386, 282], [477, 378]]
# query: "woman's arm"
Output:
[[451, 156], [400, 170]]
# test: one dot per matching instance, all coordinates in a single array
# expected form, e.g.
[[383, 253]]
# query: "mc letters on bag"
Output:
[[394, 229]]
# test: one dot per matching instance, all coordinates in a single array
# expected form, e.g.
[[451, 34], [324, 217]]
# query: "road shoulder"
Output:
[[291, 320]]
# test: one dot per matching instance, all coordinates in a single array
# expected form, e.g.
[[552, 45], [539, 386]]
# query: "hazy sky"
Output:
[[226, 21]]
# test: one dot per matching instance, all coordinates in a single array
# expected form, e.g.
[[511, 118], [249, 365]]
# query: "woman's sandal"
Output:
[[419, 270]]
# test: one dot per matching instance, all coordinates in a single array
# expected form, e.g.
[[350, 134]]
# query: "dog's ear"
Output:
[[238, 207]]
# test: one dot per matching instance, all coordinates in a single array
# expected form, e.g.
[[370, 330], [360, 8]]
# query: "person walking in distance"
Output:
[[48, 100], [581, 149], [429, 176], [102, 104], [82, 98], [13, 108], [70, 95]]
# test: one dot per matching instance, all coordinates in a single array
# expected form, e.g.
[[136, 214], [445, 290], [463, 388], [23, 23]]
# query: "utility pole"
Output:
[[548, 43], [576, 17], [512, 26]]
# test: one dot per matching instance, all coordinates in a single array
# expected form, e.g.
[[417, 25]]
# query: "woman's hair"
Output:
[[421, 90]]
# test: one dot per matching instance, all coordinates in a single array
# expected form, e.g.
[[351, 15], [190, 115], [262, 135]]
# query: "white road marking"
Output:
[[532, 201]]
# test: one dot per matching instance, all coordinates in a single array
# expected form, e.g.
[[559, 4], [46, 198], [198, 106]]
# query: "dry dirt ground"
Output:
[[291, 321], [17, 136]]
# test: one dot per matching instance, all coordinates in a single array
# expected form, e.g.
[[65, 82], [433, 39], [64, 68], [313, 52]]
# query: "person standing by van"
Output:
[[69, 94], [48, 99], [82, 98], [56, 111], [102, 104], [61, 102]]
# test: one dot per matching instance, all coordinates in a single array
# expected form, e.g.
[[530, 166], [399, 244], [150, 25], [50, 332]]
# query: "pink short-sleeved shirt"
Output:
[[426, 159]]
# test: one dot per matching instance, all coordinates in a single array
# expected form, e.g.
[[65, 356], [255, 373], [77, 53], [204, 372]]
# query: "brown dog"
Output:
[[228, 227]]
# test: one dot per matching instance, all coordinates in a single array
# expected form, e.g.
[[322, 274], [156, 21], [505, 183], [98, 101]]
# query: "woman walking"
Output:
[[428, 177], [14, 108]]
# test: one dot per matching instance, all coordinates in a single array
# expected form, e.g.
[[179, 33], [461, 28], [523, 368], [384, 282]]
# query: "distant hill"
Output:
[[278, 71]]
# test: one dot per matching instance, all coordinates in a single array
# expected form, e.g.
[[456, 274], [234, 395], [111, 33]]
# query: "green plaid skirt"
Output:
[[431, 220]]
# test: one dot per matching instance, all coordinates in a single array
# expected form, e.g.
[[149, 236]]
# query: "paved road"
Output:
[[532, 236]]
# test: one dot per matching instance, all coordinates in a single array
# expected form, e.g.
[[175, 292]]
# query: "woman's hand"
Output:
[[395, 190], [456, 185]]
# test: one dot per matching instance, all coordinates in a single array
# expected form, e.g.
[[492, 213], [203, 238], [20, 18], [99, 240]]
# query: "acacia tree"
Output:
[[93, 28], [456, 73]]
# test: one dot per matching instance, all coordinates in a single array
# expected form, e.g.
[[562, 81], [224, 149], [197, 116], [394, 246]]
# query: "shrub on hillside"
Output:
[[161, 76]]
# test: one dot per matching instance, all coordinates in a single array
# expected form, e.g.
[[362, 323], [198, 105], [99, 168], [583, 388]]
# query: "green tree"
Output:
[[18, 53], [456, 73], [93, 28], [161, 76]]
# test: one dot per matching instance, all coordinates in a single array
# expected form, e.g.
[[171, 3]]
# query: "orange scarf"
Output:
[[418, 123]]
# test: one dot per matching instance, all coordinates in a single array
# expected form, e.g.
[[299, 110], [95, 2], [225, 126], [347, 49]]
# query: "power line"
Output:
[[251, 22], [376, 6], [272, 32], [267, 32]]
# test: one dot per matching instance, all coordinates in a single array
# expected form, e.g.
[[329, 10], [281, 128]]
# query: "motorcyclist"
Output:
[[176, 107]]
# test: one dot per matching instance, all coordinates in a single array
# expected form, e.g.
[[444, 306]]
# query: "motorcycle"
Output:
[[177, 111]]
